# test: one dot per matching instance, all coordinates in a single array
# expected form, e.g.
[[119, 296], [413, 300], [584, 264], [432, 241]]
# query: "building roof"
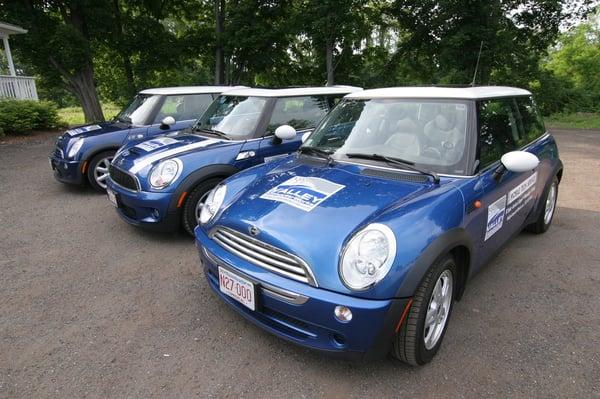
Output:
[[293, 91], [10, 29], [471, 93], [188, 90]]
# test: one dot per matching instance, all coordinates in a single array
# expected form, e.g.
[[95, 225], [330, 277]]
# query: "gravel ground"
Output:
[[92, 307]]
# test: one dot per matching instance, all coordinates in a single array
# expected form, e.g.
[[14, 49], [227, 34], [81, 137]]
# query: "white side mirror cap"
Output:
[[305, 136], [168, 120], [519, 161], [285, 132]]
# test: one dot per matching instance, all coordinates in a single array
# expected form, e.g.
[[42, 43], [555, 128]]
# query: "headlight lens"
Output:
[[368, 257], [75, 147], [213, 203], [165, 173]]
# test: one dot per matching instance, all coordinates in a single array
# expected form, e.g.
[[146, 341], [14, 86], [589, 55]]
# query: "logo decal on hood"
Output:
[[83, 129], [155, 143], [304, 193]]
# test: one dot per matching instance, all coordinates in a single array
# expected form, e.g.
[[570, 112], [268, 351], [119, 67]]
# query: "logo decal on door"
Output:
[[520, 196], [495, 219]]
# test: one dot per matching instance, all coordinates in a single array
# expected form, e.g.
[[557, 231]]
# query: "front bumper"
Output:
[[304, 314], [144, 209], [67, 171]]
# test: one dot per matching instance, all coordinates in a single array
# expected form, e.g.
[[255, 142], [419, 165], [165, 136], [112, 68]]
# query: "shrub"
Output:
[[23, 116]]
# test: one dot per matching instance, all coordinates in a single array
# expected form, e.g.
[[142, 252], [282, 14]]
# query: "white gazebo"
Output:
[[11, 85]]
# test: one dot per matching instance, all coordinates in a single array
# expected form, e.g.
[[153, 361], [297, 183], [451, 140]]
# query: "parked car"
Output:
[[161, 183], [83, 154], [360, 244]]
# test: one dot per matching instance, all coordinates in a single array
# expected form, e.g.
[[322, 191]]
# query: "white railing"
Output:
[[18, 87]]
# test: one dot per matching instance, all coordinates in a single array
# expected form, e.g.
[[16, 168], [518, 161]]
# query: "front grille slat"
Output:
[[122, 178], [263, 255]]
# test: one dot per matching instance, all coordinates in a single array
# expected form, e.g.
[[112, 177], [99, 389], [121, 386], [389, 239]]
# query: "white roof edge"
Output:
[[188, 90], [11, 29], [475, 92], [292, 91]]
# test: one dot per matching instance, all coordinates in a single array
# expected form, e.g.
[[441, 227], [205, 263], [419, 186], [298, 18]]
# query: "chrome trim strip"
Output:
[[263, 254]]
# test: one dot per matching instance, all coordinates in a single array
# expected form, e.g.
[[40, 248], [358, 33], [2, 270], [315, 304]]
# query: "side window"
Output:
[[299, 112], [184, 107], [531, 120], [498, 131]]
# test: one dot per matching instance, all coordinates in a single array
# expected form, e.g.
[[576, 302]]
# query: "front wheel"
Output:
[[193, 204], [542, 224], [421, 334], [97, 172]]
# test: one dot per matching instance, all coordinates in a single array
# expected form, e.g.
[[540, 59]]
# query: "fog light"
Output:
[[343, 314]]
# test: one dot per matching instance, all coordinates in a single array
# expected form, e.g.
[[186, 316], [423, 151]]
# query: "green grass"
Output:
[[577, 120], [72, 116]]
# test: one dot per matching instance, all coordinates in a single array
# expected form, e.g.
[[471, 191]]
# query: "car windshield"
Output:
[[427, 133], [235, 116], [138, 112]]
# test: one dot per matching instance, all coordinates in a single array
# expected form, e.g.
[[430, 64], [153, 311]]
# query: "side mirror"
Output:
[[285, 132], [305, 136], [519, 161], [167, 122]]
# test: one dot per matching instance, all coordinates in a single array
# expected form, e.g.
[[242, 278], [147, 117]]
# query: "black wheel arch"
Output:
[[456, 242]]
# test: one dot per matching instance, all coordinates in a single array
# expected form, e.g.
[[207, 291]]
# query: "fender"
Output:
[[439, 247], [207, 172]]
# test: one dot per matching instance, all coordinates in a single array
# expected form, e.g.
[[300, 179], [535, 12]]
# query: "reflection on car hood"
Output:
[[96, 129]]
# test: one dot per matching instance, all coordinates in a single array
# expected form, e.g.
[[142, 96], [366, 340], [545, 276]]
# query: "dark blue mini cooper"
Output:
[[162, 183], [360, 244], [84, 153]]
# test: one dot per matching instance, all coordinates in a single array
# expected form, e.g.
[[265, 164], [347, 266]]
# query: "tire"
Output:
[[97, 172], [189, 217], [416, 344], [544, 220]]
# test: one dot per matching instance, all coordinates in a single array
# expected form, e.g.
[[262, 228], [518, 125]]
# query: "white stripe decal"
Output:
[[145, 161]]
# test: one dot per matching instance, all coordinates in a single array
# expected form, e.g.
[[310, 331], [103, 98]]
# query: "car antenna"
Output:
[[477, 65]]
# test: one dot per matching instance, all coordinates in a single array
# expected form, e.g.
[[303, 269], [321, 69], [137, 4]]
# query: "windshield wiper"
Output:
[[214, 132], [318, 152], [397, 161]]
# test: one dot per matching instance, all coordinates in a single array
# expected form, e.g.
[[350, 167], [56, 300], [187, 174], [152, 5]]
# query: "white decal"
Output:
[[520, 196], [155, 143], [495, 218], [142, 162], [83, 129], [304, 193]]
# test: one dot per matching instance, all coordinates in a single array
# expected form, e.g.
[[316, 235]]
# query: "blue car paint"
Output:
[[109, 136], [427, 219], [202, 157]]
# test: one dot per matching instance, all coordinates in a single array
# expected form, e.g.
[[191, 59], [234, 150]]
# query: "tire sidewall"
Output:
[[546, 226], [92, 166], [189, 210]]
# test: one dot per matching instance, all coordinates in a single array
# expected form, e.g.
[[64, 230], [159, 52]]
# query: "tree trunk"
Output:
[[329, 61], [219, 53], [127, 68]]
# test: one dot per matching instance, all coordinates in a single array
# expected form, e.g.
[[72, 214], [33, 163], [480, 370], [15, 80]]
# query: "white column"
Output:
[[11, 66]]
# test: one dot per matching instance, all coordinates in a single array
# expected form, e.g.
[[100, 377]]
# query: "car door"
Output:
[[507, 197], [301, 112], [185, 109]]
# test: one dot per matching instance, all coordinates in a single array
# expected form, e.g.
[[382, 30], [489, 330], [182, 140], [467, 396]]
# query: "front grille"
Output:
[[58, 152], [263, 255], [123, 179]]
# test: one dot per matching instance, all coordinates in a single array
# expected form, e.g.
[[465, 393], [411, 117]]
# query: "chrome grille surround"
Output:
[[263, 255]]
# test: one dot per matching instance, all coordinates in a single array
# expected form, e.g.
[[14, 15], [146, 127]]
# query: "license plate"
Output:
[[237, 287], [112, 197]]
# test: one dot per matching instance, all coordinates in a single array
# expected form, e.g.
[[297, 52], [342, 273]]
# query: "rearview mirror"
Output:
[[285, 132], [519, 161], [167, 122]]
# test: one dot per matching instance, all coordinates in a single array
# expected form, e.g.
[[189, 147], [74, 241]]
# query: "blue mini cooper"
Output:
[[360, 244], [161, 183], [84, 153]]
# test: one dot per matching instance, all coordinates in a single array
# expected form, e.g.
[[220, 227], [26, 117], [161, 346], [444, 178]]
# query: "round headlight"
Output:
[[368, 257], [75, 147], [165, 173], [213, 203]]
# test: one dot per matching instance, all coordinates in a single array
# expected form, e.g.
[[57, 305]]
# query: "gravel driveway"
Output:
[[92, 307]]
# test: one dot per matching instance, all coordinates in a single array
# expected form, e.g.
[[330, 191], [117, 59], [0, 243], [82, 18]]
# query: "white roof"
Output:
[[188, 90], [471, 93], [293, 91]]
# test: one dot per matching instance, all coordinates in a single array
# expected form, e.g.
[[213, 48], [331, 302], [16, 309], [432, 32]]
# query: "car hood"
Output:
[[96, 129], [311, 211], [143, 155]]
